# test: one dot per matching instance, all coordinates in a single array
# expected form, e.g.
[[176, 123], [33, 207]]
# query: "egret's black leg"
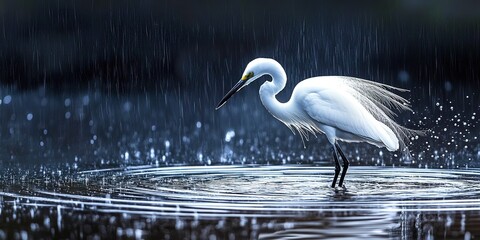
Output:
[[345, 165], [337, 167]]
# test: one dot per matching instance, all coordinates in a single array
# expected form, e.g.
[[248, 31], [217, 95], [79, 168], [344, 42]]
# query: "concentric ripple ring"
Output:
[[260, 191]]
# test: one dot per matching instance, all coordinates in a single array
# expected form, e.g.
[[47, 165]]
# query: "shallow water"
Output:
[[88, 165], [288, 201]]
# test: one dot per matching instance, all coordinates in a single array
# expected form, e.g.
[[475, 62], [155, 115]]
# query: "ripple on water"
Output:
[[271, 201], [260, 191]]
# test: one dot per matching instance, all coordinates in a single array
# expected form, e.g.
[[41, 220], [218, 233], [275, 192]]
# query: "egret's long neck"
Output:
[[268, 90]]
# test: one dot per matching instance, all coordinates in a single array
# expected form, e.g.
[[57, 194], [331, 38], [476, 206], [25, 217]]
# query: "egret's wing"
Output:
[[337, 108]]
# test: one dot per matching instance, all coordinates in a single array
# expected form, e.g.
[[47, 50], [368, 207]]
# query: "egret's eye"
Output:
[[247, 76]]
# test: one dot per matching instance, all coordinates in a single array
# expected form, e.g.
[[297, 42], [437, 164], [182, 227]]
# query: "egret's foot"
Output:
[[341, 194]]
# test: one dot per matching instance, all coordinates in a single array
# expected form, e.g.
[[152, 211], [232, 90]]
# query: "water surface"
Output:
[[287, 201]]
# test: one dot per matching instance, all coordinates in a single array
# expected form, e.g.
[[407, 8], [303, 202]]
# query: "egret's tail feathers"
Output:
[[388, 137], [378, 99], [378, 94]]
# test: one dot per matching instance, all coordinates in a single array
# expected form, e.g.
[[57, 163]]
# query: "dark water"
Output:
[[147, 166], [168, 166], [266, 202]]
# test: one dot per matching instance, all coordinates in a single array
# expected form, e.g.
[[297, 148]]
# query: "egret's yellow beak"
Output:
[[232, 91]]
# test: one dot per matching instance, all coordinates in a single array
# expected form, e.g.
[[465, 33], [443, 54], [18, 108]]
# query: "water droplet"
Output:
[[229, 135], [127, 106], [403, 76], [152, 153], [448, 86], [85, 100], [67, 102], [7, 99]]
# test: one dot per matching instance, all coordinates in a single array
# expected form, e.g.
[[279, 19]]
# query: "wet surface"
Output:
[[264, 201], [88, 165]]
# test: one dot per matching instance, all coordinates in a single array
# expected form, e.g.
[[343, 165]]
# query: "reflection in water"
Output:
[[266, 202], [369, 225]]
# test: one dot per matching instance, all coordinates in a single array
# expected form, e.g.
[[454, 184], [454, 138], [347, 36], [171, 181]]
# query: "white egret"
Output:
[[343, 108]]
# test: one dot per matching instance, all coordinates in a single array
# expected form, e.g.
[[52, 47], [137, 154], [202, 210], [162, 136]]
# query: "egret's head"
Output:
[[253, 71]]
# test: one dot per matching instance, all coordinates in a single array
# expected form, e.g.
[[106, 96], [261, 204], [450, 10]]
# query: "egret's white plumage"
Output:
[[333, 106], [343, 108]]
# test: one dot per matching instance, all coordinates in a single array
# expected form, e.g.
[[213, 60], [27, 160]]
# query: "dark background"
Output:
[[91, 81], [123, 46]]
